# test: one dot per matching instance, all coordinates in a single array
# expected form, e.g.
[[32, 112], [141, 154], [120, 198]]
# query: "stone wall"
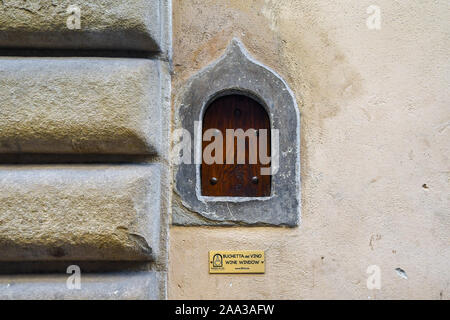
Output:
[[84, 131], [375, 129]]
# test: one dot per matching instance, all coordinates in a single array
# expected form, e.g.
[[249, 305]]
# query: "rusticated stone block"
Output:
[[103, 24], [97, 212], [124, 286], [80, 105]]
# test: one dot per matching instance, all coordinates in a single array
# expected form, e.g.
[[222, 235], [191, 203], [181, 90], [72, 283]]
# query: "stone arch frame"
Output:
[[236, 72]]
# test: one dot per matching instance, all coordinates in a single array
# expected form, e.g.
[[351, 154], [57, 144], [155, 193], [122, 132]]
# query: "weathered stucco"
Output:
[[374, 148]]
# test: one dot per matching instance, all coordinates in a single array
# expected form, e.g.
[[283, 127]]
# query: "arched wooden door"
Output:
[[236, 180]]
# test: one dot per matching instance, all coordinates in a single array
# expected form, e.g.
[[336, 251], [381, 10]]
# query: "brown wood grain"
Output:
[[235, 180]]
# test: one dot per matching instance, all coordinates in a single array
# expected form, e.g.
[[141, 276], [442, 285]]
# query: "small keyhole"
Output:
[[237, 112]]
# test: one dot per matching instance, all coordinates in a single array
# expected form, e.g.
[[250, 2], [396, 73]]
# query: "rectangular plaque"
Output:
[[247, 261]]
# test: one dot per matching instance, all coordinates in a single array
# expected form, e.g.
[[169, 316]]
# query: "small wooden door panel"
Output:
[[235, 180]]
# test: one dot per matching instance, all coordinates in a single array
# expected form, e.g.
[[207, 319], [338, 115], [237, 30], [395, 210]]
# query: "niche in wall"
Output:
[[237, 79]]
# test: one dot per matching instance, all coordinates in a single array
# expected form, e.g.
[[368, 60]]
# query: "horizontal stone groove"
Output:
[[79, 212], [80, 105]]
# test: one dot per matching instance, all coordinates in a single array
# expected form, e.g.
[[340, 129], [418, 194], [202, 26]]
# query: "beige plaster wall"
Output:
[[375, 148]]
